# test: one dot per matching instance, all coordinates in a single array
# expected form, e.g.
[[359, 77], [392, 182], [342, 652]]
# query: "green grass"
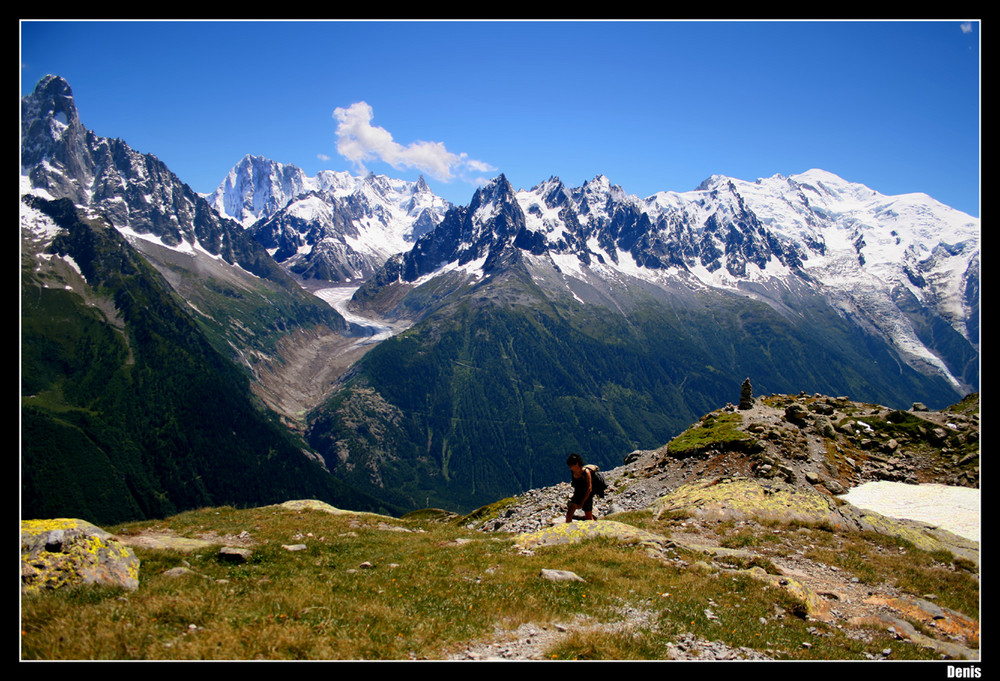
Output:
[[425, 595], [718, 431]]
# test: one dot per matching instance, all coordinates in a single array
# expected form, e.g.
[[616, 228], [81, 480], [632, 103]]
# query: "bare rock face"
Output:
[[63, 551]]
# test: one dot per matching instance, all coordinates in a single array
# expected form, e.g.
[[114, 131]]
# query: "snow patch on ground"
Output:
[[955, 509]]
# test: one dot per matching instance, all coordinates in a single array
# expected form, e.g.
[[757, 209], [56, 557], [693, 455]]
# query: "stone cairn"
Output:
[[746, 395]]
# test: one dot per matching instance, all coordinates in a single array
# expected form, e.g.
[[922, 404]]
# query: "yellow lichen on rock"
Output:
[[772, 500], [734, 498], [60, 551], [566, 533]]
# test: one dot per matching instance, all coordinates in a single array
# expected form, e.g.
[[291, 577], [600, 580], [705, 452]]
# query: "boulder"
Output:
[[835, 487], [234, 554], [560, 576], [64, 551], [797, 414]]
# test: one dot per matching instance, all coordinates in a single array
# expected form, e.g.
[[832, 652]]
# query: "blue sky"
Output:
[[652, 105]]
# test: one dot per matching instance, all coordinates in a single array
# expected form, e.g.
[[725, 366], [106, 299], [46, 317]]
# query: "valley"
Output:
[[415, 352], [308, 364]]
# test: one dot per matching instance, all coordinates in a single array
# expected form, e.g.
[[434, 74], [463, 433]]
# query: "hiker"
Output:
[[583, 496]]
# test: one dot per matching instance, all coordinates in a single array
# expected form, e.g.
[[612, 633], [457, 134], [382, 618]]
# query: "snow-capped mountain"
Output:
[[334, 226], [136, 192], [556, 319], [538, 319], [904, 268], [210, 260], [878, 258], [257, 188]]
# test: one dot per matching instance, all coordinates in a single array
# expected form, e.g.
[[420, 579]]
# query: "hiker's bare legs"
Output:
[[573, 508]]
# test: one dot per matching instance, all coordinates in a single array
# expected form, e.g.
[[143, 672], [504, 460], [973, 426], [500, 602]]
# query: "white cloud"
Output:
[[359, 141], [967, 27]]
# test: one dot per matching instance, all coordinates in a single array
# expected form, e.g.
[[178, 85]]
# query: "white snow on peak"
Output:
[[310, 208], [257, 188], [863, 247]]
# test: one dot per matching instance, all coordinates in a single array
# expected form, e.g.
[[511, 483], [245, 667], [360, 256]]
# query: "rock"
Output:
[[182, 572], [968, 458], [775, 500], [294, 547], [952, 623], [64, 551], [823, 408], [166, 541], [561, 576], [904, 630], [315, 505], [746, 395], [825, 427], [633, 456], [834, 487], [796, 413], [812, 604], [787, 473], [234, 555]]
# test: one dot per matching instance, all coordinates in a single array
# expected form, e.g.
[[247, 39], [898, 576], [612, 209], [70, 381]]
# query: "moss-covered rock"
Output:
[[63, 551]]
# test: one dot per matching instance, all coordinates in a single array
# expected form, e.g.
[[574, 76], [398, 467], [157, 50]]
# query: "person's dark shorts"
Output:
[[588, 505]]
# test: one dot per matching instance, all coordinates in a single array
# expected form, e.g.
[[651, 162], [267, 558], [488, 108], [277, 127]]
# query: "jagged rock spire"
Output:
[[51, 132]]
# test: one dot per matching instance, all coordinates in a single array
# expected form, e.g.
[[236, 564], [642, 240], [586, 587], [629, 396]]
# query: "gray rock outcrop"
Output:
[[63, 551]]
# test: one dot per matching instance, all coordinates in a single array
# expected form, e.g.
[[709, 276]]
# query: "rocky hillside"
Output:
[[812, 442], [742, 485]]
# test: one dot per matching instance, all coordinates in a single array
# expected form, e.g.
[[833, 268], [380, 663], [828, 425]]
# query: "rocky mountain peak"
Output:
[[52, 100], [378, 184], [51, 131], [553, 192], [495, 191]]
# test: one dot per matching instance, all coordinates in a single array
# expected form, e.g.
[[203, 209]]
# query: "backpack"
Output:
[[598, 485]]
